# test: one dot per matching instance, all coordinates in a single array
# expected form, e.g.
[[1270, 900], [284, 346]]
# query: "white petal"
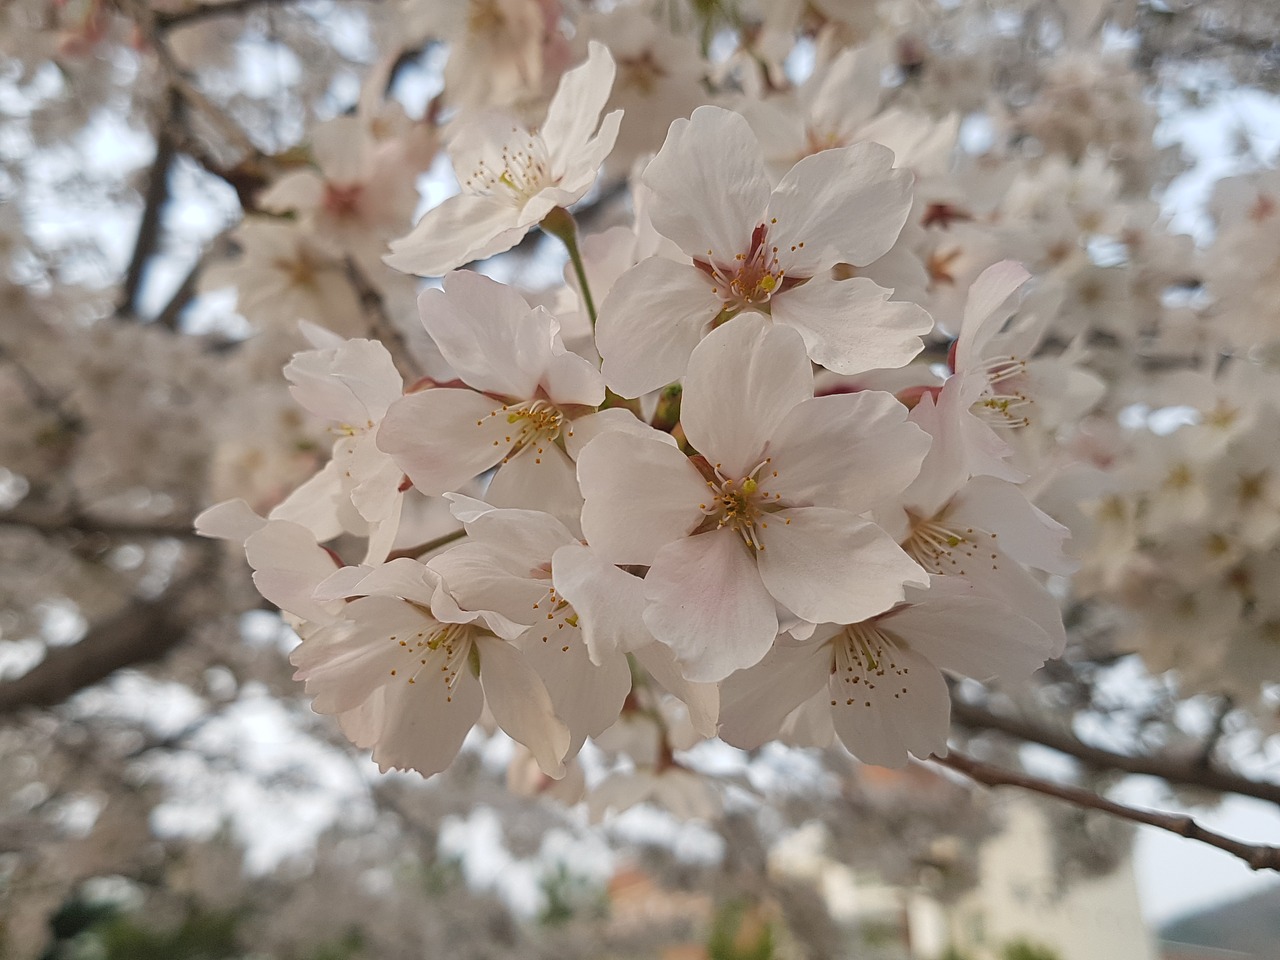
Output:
[[232, 520], [756, 701], [709, 183], [288, 565], [609, 602], [317, 504], [706, 603], [743, 379], [443, 437], [653, 317], [640, 495], [463, 228], [521, 705], [829, 566], [851, 326], [1023, 531], [486, 332], [424, 726], [845, 206], [587, 697], [851, 451], [971, 635], [877, 721], [575, 109], [702, 699], [983, 317], [539, 478], [585, 429]]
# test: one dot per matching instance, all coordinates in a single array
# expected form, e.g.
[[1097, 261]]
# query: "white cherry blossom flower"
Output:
[[766, 526], [512, 177], [883, 678], [757, 249], [407, 672], [521, 393]]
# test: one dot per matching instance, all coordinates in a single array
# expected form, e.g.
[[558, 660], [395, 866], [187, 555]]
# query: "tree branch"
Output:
[[1188, 773], [209, 11], [144, 631], [1257, 856], [74, 521], [155, 198]]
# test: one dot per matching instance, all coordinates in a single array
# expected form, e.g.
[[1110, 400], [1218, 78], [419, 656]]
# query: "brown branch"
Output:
[[210, 11], [155, 199], [381, 326], [75, 521], [1188, 773], [144, 631], [1257, 856]]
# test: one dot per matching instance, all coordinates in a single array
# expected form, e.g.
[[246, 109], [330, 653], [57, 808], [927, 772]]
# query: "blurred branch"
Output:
[[209, 11], [156, 196], [63, 521], [145, 630], [1257, 856], [1190, 772], [381, 326]]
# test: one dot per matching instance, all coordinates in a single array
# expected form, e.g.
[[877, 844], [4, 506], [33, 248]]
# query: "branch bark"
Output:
[[1191, 772], [144, 631], [1257, 856], [155, 199]]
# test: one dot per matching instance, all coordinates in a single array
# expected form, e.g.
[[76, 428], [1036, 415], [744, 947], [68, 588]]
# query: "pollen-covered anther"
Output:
[[752, 277], [533, 424], [1004, 404], [866, 657], [742, 504], [943, 549]]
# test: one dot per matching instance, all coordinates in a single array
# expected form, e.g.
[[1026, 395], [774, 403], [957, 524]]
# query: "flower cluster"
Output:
[[710, 501]]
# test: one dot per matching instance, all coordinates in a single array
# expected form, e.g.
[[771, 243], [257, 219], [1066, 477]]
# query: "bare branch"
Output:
[[156, 196], [1257, 856], [144, 631], [74, 521], [209, 11], [1185, 772]]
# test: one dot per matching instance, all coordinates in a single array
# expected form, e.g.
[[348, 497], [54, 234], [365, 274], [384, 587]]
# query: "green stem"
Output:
[[560, 224]]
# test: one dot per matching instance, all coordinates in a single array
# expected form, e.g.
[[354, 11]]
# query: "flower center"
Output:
[[443, 647], [533, 424], [943, 548], [744, 505], [559, 614], [521, 170], [1003, 403], [343, 200], [753, 277], [864, 659]]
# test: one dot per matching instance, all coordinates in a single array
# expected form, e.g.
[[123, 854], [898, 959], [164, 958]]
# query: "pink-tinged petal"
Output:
[[756, 701], [586, 696], [851, 326], [463, 228], [945, 467], [520, 704], [829, 566], [983, 316], [844, 206], [702, 699], [971, 635], [609, 602], [487, 334], [851, 451], [574, 111], [743, 379], [423, 726], [585, 429], [1023, 531], [539, 478], [899, 705], [709, 183], [443, 437], [525, 539], [640, 495], [582, 167], [707, 604], [809, 725], [478, 580], [650, 322]]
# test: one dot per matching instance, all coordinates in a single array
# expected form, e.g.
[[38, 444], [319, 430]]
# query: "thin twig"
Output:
[[1257, 856], [210, 11], [1185, 772], [156, 196]]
